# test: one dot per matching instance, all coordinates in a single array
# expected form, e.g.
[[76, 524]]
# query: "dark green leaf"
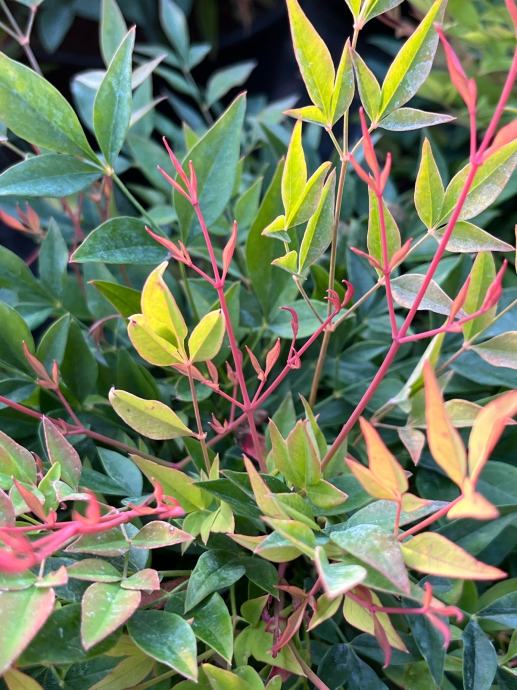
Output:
[[215, 570], [213, 625], [479, 658]]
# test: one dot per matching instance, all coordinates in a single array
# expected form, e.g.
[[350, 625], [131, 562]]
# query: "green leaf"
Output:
[[215, 158], [297, 533], [340, 662], [50, 174], [13, 333], [212, 624], [479, 658], [307, 202], [150, 346], [227, 78], [246, 206], [207, 337], [122, 471], [309, 113], [23, 613], [430, 644], [294, 177], [113, 101], [429, 191], [337, 578], [126, 300], [120, 240], [373, 8], [151, 418], [412, 65], [482, 275], [160, 309], [313, 57], [127, 673], [35, 111], [62, 452], [343, 93], [318, 234], [112, 29], [378, 549], [167, 638], [303, 456], [111, 543], [147, 580], [174, 25], [221, 679], [500, 351], [260, 251], [94, 570], [373, 238], [53, 259], [214, 571], [104, 608], [467, 238], [369, 89], [406, 287], [406, 119], [157, 534], [489, 181]]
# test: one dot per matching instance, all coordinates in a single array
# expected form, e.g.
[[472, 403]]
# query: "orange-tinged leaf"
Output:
[[368, 481], [487, 428], [444, 441], [434, 554], [472, 505], [382, 464], [362, 619]]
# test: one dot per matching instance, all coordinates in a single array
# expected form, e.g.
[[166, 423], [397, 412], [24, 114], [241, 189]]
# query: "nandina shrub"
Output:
[[227, 460]]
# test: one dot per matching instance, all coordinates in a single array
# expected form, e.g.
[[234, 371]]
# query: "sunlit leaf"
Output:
[[104, 608]]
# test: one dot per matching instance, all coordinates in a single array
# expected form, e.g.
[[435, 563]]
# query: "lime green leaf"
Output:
[[337, 578], [113, 29], [126, 674], [228, 78], [113, 102], [406, 119], [412, 65], [309, 113], [434, 554], [500, 351], [294, 177], [221, 679], [373, 238], [62, 452], [296, 533], [175, 483], [23, 613], [288, 262], [307, 203], [406, 288], [94, 570], [126, 300], [304, 454], [489, 181], [104, 608], [325, 495], [35, 111], [120, 240], [378, 549], [468, 238], [149, 345], [343, 93], [373, 8], [167, 638], [369, 89], [313, 57], [51, 174], [429, 191], [318, 234], [151, 418], [355, 6], [277, 229], [207, 337], [215, 158], [160, 309], [482, 275], [212, 624]]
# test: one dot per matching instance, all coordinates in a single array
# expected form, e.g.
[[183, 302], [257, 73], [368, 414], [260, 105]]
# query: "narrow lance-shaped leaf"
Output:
[[313, 57], [35, 111], [61, 451], [318, 234], [343, 93], [434, 554], [369, 89], [407, 119], [151, 418], [444, 441], [374, 237], [112, 106], [468, 238], [481, 277], [413, 62], [294, 177], [112, 29], [429, 191]]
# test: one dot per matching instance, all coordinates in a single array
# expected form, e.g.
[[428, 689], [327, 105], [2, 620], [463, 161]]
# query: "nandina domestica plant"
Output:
[[171, 515]]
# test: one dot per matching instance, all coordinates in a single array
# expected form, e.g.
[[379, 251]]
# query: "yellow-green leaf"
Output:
[[207, 337], [343, 93], [104, 608], [294, 177], [429, 191], [159, 307], [482, 275], [151, 418], [374, 240], [500, 351], [318, 233], [434, 554], [369, 89], [313, 56], [467, 238], [149, 345]]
